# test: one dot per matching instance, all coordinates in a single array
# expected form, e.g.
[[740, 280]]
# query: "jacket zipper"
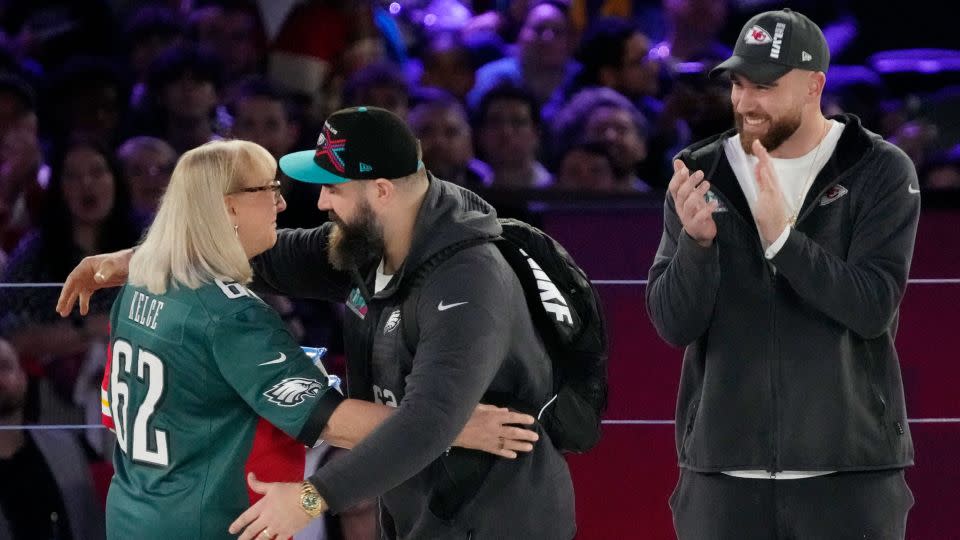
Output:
[[774, 343], [774, 361]]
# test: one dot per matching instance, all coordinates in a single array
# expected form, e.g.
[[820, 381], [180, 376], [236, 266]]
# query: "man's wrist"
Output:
[[311, 502], [704, 243], [775, 246]]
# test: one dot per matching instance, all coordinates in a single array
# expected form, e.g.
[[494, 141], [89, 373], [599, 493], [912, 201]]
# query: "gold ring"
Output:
[[266, 532]]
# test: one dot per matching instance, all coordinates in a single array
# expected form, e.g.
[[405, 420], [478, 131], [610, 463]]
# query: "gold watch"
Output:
[[311, 501]]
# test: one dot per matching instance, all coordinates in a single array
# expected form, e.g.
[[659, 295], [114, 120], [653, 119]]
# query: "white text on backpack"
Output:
[[550, 296]]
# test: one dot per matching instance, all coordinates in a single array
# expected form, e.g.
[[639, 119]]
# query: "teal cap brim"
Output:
[[300, 166]]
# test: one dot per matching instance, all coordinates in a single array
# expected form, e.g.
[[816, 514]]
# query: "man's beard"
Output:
[[778, 132], [354, 245]]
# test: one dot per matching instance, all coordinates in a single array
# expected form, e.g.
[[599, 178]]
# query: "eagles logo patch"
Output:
[[392, 322], [293, 391]]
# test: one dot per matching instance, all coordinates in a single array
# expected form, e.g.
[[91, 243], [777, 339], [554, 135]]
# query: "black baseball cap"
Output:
[[359, 143], [775, 42]]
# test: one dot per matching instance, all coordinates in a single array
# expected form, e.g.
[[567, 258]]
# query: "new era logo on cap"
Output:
[[757, 36], [364, 167], [805, 56]]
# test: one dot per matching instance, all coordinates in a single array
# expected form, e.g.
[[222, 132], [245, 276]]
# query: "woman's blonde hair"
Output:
[[191, 240]]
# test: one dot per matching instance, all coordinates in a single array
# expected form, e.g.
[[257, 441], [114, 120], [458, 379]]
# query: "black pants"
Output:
[[869, 505]]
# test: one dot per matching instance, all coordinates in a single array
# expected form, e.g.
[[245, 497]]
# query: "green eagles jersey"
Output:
[[190, 374]]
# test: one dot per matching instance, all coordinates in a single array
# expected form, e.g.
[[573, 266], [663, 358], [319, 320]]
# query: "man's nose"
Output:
[[323, 203]]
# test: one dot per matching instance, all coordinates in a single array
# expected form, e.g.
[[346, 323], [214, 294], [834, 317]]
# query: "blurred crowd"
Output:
[[520, 100]]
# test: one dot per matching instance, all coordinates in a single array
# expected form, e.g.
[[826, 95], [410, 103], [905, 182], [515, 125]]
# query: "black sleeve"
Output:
[[458, 354], [297, 266], [862, 291], [684, 282]]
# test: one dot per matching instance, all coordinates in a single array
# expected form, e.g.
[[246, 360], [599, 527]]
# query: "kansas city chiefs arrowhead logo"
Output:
[[833, 194], [757, 36], [293, 391]]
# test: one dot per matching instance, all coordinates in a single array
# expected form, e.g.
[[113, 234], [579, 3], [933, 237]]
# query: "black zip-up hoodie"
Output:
[[476, 339], [790, 363]]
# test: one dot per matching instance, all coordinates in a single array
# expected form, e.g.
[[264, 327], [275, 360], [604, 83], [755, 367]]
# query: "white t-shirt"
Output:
[[382, 279], [795, 175]]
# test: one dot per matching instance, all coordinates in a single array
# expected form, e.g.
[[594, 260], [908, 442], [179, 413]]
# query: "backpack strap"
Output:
[[409, 326]]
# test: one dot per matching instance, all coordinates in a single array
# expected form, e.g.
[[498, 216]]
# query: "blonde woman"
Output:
[[201, 369]]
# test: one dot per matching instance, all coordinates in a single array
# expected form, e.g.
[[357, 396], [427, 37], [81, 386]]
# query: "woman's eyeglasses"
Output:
[[275, 187]]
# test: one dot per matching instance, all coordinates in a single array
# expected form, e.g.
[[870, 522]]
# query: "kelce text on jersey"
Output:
[[145, 310]]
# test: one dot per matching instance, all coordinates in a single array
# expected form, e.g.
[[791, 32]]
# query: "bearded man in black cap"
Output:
[[785, 253]]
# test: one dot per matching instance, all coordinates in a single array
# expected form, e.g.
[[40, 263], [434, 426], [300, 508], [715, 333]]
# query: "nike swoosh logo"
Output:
[[912, 190], [282, 359], [442, 307]]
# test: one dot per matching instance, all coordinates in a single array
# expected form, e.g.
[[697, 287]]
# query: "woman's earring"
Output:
[[236, 230]]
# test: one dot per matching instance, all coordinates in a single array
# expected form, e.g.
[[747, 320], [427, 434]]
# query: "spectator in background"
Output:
[[262, 113], [695, 108], [542, 58], [88, 97], [587, 167], [231, 30], [604, 115], [23, 176], [381, 84], [51, 31], [88, 211], [149, 31], [917, 138], [47, 489], [508, 135], [505, 23], [440, 123], [692, 30], [183, 89], [304, 65], [448, 64], [942, 171], [616, 54], [856, 90], [147, 163]]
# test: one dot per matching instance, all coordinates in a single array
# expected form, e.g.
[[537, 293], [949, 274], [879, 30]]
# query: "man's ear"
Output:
[[382, 191], [818, 81]]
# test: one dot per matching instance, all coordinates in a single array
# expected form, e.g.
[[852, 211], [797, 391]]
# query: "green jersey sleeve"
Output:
[[259, 358]]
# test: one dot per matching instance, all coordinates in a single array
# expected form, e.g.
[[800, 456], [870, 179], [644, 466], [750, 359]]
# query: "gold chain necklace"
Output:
[[810, 177]]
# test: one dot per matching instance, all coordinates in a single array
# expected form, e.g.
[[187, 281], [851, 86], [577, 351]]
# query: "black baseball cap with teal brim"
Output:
[[359, 143], [772, 44]]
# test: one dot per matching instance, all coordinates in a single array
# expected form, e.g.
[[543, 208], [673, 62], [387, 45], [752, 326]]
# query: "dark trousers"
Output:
[[868, 505]]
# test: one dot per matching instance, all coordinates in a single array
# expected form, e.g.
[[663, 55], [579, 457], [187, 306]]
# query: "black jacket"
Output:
[[791, 365], [476, 339]]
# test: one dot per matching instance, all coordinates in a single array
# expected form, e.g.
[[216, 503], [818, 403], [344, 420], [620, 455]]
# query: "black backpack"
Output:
[[567, 314]]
